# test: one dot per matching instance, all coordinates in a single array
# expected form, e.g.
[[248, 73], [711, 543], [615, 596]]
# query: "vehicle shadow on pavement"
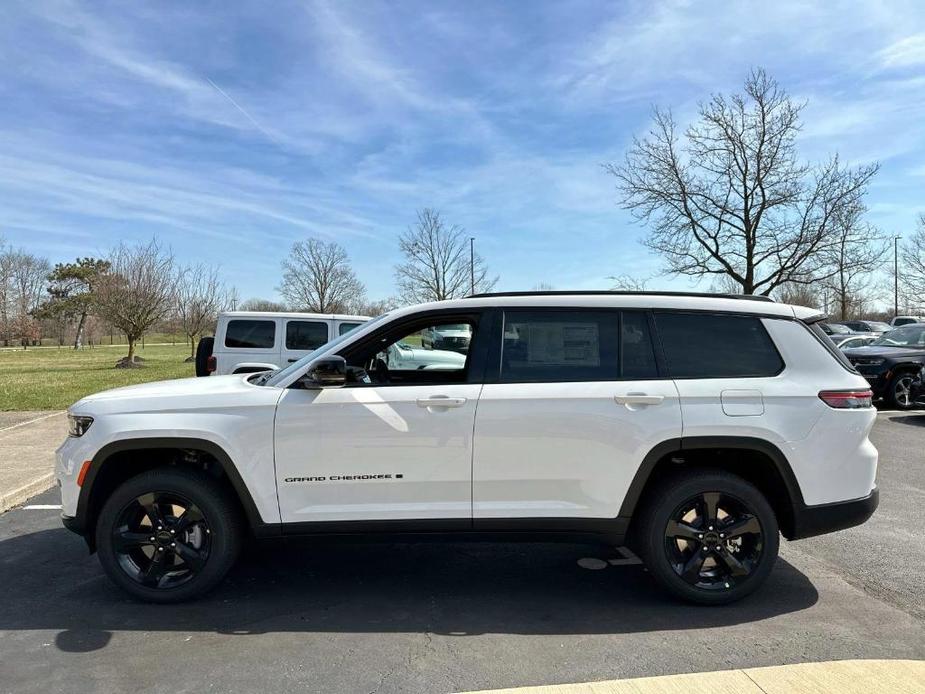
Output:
[[916, 420], [453, 588]]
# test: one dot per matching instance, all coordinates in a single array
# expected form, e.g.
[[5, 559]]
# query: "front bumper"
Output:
[[810, 521]]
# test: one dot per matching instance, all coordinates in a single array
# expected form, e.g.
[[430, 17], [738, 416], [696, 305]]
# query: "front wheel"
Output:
[[709, 537], [168, 535], [900, 391]]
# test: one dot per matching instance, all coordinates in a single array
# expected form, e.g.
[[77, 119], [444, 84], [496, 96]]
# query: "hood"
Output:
[[883, 351], [182, 393]]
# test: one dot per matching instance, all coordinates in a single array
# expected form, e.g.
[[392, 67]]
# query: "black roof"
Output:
[[617, 292]]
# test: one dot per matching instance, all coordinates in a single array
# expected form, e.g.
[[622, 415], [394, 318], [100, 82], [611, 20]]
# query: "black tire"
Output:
[[899, 395], [669, 545], [203, 352], [206, 540]]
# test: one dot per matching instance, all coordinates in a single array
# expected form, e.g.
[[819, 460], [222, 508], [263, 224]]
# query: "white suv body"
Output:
[[251, 341], [569, 414]]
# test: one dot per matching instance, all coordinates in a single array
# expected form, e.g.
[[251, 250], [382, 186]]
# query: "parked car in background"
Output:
[[851, 341], [865, 326], [455, 338], [251, 341], [906, 320], [831, 329], [891, 363]]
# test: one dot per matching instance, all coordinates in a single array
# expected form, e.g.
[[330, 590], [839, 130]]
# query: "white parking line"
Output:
[[42, 507], [31, 421]]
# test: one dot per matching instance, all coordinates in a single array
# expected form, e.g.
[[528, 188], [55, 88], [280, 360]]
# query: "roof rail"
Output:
[[618, 292]]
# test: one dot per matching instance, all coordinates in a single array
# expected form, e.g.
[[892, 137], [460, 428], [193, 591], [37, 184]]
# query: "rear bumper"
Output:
[[828, 518]]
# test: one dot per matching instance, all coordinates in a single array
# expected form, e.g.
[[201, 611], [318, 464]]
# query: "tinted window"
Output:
[[305, 335], [906, 336], [250, 334], [638, 361], [560, 346], [700, 345], [345, 328]]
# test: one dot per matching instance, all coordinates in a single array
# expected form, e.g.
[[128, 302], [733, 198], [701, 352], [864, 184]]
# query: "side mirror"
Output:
[[330, 372]]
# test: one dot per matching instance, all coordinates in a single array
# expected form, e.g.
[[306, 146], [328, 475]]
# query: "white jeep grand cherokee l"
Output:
[[694, 428]]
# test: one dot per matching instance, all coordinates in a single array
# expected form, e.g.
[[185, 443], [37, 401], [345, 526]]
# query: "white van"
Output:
[[251, 341]]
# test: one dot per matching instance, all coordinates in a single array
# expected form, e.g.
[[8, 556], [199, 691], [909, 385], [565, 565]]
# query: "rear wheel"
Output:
[[900, 392], [709, 537], [168, 535]]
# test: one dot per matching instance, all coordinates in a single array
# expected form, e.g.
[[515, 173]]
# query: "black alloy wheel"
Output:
[[169, 534], [162, 540], [707, 536], [713, 542]]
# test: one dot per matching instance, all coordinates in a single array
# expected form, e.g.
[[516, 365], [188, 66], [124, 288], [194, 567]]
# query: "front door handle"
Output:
[[638, 399], [441, 401]]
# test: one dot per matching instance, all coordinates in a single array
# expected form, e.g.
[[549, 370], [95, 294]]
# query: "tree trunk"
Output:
[[78, 338], [192, 345], [131, 348]]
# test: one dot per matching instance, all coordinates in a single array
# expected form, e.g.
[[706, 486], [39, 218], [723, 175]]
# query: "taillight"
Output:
[[211, 364], [847, 399]]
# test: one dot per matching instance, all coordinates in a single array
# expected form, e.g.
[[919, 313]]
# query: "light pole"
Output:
[[471, 265], [896, 275]]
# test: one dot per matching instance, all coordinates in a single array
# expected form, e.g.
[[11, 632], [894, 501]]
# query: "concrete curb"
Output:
[[14, 498], [842, 676]]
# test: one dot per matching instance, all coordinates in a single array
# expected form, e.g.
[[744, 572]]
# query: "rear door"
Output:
[[302, 336], [246, 341], [577, 400]]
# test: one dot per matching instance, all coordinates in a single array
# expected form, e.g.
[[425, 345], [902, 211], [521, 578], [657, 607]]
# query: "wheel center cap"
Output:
[[164, 537], [711, 539]]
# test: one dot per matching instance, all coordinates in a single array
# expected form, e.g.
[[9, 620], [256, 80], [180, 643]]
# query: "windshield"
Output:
[[838, 328], [876, 325], [272, 378], [907, 336]]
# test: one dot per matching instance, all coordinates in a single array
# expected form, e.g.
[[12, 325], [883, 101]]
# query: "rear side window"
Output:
[[250, 334], [701, 345], [345, 328], [637, 354], [305, 335]]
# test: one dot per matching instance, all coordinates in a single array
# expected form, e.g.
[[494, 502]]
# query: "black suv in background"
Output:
[[865, 326], [891, 363]]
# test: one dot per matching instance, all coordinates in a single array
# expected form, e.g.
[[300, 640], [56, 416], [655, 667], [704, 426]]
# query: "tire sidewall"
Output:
[[663, 504], [215, 507]]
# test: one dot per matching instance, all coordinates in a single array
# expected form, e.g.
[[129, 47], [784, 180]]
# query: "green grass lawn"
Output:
[[52, 379]]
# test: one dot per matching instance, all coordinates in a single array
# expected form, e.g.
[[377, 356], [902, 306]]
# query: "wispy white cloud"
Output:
[[906, 52]]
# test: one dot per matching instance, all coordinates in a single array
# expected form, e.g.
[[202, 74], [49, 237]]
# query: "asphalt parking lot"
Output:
[[455, 617]]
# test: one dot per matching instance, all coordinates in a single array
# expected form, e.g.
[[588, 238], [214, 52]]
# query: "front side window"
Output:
[[410, 356], [305, 335], [250, 334], [703, 345], [563, 346]]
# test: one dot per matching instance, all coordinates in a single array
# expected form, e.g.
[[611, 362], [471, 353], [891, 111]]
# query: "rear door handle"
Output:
[[638, 399], [441, 401]]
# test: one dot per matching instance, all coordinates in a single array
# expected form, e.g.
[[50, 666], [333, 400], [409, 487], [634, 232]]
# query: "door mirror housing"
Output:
[[328, 372]]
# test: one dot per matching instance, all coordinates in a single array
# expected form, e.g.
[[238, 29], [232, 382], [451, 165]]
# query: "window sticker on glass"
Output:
[[573, 344]]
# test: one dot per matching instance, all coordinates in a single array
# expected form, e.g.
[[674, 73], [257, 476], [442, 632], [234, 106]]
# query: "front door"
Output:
[[394, 444], [578, 404]]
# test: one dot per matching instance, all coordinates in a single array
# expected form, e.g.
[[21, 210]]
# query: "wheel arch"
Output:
[[757, 460], [105, 474]]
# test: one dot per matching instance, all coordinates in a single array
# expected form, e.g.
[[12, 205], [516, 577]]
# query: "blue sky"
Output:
[[231, 130]]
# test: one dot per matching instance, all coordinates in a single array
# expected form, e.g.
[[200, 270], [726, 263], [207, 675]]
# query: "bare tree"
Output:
[[199, 297], [376, 307], [317, 277], [137, 292], [799, 294], [437, 262], [22, 287], [854, 256], [912, 273], [257, 304], [729, 196], [627, 283]]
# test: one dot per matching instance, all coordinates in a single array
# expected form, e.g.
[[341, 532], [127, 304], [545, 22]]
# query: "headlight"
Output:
[[78, 425]]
